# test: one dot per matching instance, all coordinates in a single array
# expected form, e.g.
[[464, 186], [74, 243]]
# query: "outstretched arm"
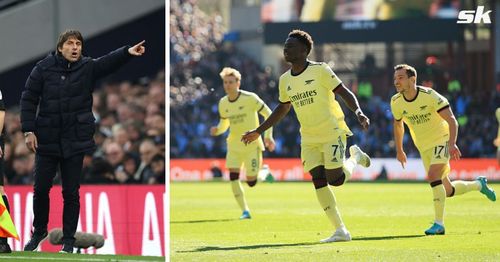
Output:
[[278, 113], [352, 103], [107, 64]]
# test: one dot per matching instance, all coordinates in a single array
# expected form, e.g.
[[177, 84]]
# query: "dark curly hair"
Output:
[[303, 37], [66, 35]]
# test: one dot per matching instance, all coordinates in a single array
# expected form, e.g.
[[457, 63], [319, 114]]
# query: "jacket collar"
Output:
[[67, 65]]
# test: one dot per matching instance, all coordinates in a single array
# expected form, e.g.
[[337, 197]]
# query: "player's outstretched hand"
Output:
[[455, 153], [270, 144], [401, 157], [364, 121], [138, 49], [250, 136]]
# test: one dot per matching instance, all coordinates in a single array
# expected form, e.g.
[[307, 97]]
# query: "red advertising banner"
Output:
[[290, 169], [130, 217]]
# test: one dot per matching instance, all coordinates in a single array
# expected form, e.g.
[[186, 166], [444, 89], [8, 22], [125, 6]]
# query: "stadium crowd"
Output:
[[130, 137], [199, 53]]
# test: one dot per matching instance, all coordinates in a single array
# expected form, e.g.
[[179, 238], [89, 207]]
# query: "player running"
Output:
[[310, 87], [239, 109], [434, 130]]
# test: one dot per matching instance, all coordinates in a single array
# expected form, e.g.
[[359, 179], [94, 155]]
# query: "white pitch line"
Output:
[[71, 259]]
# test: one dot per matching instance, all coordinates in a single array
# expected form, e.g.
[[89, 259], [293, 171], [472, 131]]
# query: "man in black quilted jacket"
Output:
[[58, 125]]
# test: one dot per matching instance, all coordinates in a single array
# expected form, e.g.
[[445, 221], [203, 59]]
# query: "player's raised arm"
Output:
[[278, 113], [352, 103]]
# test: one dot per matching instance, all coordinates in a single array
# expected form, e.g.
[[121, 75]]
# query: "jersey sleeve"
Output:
[[283, 96], [396, 113], [438, 102], [258, 103], [328, 78], [223, 124], [221, 109]]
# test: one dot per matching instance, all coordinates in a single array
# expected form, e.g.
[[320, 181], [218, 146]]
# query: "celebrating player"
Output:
[[434, 130], [310, 87], [239, 109]]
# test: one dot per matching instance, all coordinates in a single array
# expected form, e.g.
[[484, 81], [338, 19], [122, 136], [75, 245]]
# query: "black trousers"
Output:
[[45, 171]]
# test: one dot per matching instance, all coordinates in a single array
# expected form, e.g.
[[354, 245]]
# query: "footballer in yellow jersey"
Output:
[[310, 93], [239, 111], [434, 130], [421, 115], [311, 88]]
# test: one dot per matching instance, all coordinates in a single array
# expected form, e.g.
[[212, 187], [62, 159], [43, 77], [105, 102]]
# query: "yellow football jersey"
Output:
[[310, 93], [421, 115], [242, 114]]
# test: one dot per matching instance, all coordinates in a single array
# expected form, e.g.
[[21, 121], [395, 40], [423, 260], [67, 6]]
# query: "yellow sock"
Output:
[[439, 197], [462, 187], [327, 201], [348, 167], [239, 194]]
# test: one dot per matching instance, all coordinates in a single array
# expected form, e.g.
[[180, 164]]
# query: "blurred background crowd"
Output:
[[199, 53], [130, 137]]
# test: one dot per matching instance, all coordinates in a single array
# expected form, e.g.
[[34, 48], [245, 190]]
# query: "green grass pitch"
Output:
[[22, 256], [386, 221]]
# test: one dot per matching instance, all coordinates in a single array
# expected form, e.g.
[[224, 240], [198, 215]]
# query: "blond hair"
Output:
[[229, 71]]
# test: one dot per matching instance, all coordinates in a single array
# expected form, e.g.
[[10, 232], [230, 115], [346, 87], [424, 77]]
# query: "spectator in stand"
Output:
[[22, 166], [134, 133], [158, 168], [114, 154], [120, 136], [113, 101], [147, 150], [101, 172], [125, 172]]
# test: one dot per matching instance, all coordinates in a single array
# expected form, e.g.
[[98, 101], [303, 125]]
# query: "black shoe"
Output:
[[5, 248], [66, 248], [35, 241]]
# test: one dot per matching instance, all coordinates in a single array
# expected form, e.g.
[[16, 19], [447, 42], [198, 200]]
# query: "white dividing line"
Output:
[[70, 259]]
